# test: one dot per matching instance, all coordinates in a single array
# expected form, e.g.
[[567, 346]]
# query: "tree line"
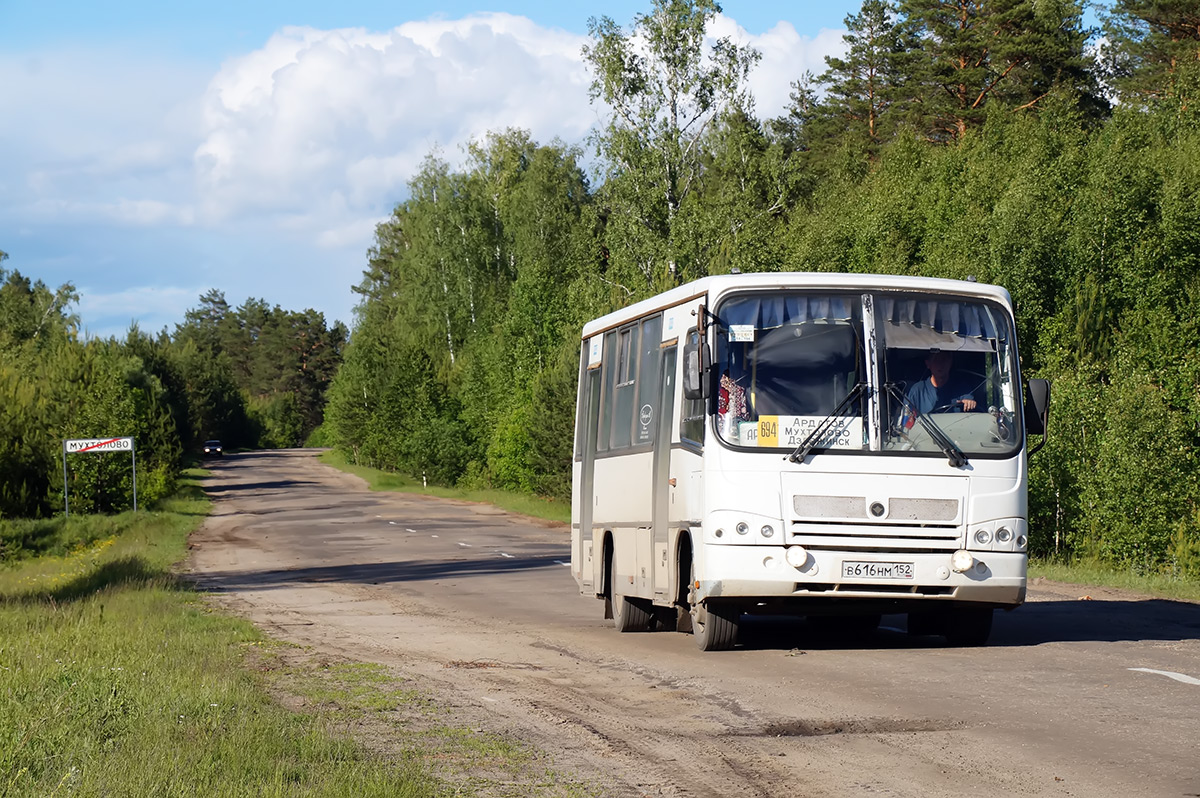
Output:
[[993, 138], [251, 376]]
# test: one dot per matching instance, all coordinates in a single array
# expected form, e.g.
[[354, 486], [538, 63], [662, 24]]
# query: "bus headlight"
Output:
[[962, 561], [796, 556], [983, 536], [767, 531], [1003, 535], [742, 528]]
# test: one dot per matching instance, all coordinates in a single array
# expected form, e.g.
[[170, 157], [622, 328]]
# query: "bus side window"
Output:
[[625, 389], [691, 418], [646, 416], [608, 373]]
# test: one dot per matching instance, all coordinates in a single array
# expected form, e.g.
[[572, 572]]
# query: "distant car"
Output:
[[213, 449]]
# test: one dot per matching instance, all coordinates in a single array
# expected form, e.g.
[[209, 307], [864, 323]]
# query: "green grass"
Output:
[[520, 503], [116, 679], [1101, 575]]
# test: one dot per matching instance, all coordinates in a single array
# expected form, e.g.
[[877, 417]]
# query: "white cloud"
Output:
[[786, 56], [109, 313], [354, 112], [284, 160]]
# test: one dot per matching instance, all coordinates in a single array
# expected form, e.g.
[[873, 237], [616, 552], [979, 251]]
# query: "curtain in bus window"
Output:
[[941, 324], [769, 312]]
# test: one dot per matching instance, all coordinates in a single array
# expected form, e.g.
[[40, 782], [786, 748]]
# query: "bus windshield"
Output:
[[895, 373]]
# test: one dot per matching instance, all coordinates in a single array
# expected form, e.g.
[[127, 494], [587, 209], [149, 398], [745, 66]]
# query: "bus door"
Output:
[[587, 480], [661, 467]]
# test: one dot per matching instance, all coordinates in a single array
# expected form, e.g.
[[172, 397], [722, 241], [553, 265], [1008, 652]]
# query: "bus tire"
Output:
[[631, 614], [715, 628], [969, 626]]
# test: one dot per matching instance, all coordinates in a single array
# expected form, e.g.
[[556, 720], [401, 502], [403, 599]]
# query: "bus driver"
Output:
[[941, 390]]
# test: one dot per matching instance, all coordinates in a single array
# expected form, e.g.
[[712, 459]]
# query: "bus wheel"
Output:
[[631, 614], [969, 626], [715, 628]]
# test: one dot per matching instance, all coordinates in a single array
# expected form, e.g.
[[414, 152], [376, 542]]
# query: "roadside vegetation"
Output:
[[254, 376], [950, 140], [116, 678], [558, 510]]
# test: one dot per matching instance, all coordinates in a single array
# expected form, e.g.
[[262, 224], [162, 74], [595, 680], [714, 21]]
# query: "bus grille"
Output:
[[876, 539]]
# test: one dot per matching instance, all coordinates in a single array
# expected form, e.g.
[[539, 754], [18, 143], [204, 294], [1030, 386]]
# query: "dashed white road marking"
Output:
[[1179, 677], [560, 562], [505, 555], [406, 529], [393, 523], [464, 545], [433, 536]]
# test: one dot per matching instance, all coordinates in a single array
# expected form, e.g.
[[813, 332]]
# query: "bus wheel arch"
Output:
[[606, 566], [714, 625], [683, 584], [628, 614]]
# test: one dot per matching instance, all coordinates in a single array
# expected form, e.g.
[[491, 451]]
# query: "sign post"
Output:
[[97, 445]]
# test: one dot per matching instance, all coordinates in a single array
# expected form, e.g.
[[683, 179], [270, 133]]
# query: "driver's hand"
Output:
[[967, 404]]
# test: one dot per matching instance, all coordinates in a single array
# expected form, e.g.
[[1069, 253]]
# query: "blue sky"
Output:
[[155, 150]]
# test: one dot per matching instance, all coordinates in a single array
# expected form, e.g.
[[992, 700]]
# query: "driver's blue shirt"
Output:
[[925, 396]]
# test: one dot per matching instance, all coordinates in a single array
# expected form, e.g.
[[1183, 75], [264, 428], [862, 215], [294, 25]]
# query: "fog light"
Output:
[[1003, 534], [796, 556], [742, 528], [767, 531], [983, 536], [962, 561]]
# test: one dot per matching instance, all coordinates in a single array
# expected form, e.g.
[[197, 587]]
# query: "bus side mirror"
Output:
[[695, 366], [1037, 410]]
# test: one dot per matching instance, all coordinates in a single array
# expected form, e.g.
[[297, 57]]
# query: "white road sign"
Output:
[[98, 445]]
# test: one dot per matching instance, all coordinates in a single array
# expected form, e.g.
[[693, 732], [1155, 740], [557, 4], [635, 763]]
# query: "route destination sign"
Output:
[[98, 445]]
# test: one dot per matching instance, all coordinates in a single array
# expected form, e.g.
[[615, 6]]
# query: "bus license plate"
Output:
[[877, 570]]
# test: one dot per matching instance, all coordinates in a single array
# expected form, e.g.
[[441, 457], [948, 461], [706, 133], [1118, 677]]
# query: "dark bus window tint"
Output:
[[649, 379], [608, 375], [580, 401], [691, 419], [625, 390], [625, 356]]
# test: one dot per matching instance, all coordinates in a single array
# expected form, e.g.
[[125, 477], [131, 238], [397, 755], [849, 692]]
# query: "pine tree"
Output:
[[1153, 49], [865, 87], [977, 52]]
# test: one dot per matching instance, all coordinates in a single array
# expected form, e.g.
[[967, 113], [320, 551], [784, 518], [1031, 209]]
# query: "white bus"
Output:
[[796, 443]]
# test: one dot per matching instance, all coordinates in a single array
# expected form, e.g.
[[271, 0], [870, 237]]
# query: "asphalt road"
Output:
[[1082, 692]]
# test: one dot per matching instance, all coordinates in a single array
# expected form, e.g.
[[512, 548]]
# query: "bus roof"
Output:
[[719, 284]]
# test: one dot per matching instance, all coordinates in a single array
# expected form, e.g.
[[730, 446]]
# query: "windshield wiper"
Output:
[[810, 441], [953, 453]]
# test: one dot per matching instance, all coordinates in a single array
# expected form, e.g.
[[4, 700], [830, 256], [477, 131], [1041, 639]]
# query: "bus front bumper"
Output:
[[761, 573]]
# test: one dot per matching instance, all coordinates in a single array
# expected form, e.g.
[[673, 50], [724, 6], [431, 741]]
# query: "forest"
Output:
[[994, 138], [252, 376], [1001, 139]]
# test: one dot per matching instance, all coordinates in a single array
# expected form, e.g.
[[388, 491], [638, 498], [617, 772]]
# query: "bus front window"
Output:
[[784, 363], [952, 362]]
